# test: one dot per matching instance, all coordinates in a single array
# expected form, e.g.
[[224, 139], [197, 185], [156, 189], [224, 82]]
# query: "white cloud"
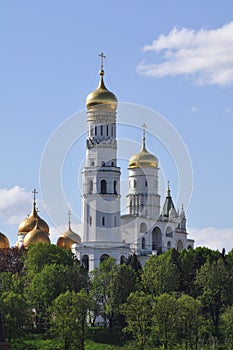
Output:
[[213, 238], [228, 111], [194, 109], [14, 204], [206, 55]]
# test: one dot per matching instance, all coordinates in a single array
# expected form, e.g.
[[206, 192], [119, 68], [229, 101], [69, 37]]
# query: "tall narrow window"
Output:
[[95, 130], [143, 243], [115, 221], [103, 185], [90, 186], [101, 130], [134, 183], [115, 187], [103, 220], [107, 129], [90, 220]]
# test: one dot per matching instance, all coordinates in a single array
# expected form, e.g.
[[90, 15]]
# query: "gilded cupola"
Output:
[[68, 238], [29, 223], [143, 159], [101, 98], [4, 242], [37, 235]]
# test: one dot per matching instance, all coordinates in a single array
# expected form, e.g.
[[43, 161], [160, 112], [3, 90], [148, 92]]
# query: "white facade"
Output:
[[144, 230]]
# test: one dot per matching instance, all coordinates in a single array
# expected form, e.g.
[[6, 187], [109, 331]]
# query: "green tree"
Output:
[[227, 328], [160, 275], [124, 282], [15, 313], [44, 287], [165, 320], [102, 278], [138, 313], [213, 280], [68, 318], [189, 321], [41, 254]]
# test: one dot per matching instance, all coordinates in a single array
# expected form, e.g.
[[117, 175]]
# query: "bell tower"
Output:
[[101, 175]]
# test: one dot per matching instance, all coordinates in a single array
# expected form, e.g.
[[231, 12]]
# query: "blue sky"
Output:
[[174, 57]]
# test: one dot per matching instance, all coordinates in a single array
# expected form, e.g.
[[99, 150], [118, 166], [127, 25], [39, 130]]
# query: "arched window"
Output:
[[143, 243], [169, 232], [134, 183], [115, 187], [112, 163], [104, 257], [103, 187], [146, 184], [85, 261], [91, 186], [169, 245], [180, 246], [122, 259], [90, 220], [157, 239]]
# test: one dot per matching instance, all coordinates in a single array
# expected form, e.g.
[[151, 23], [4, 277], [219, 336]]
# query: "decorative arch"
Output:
[[157, 239], [104, 257], [85, 261], [103, 187], [122, 259], [143, 227], [169, 232], [180, 245]]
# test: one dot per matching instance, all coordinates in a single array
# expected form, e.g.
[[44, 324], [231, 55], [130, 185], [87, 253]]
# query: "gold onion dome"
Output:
[[29, 223], [101, 98], [68, 238], [143, 159], [37, 235], [4, 243]]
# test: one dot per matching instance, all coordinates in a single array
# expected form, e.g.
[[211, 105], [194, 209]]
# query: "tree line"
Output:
[[177, 300]]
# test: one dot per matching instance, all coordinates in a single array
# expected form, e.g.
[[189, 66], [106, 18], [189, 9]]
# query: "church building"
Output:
[[145, 229]]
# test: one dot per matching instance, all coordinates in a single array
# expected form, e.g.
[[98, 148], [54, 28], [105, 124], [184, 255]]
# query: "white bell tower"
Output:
[[101, 175]]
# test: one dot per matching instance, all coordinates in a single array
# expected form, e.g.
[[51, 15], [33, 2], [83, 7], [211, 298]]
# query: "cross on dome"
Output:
[[102, 57]]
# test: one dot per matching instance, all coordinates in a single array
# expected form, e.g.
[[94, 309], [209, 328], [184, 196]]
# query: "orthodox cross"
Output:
[[144, 126], [34, 193], [101, 55], [69, 215]]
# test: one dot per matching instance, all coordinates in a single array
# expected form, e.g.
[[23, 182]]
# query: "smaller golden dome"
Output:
[[101, 98], [29, 223], [35, 236], [143, 159], [4, 242], [68, 238]]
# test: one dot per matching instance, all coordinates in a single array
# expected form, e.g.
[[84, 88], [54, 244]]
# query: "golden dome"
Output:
[[35, 236], [4, 243], [143, 159], [101, 98], [29, 223], [67, 239]]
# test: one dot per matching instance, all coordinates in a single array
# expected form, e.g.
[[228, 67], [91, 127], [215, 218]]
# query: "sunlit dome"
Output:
[[29, 223], [143, 159], [4, 242], [68, 238]]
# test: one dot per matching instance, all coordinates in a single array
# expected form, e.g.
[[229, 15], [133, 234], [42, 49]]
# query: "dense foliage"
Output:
[[178, 300]]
